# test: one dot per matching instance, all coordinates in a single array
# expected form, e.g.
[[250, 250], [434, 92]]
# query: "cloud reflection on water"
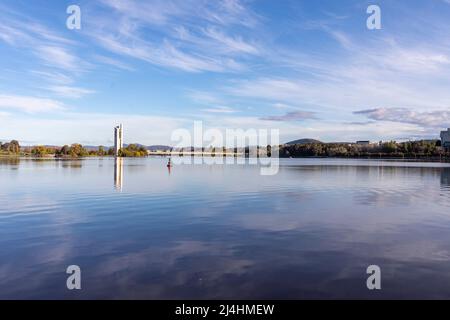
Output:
[[223, 231]]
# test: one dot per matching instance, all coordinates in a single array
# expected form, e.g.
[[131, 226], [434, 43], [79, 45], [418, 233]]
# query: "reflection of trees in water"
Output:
[[9, 161], [73, 164], [445, 178]]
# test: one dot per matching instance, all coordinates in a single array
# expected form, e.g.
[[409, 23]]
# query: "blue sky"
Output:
[[308, 68]]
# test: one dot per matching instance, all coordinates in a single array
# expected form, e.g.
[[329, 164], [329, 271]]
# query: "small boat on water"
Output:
[[169, 164]]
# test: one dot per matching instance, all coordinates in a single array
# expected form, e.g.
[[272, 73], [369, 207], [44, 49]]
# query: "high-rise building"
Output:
[[445, 139], [118, 139]]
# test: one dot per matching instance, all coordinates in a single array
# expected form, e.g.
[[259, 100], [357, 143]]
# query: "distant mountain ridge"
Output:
[[152, 147], [159, 147], [303, 141]]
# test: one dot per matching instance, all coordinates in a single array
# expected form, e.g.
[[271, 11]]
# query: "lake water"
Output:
[[222, 232]]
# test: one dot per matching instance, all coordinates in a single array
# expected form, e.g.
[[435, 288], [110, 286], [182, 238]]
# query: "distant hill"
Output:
[[158, 147], [303, 141], [94, 148], [152, 148], [136, 144]]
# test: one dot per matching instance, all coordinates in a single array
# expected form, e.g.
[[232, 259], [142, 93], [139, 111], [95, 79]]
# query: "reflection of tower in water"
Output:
[[118, 173], [445, 178]]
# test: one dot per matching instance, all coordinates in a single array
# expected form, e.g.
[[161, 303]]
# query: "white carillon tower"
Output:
[[118, 139]]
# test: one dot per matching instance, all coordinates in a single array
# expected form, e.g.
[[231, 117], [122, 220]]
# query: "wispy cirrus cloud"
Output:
[[113, 62], [20, 30], [235, 53], [203, 97], [62, 58], [70, 92], [220, 109], [384, 73], [166, 55], [229, 43], [50, 47], [57, 60], [164, 12], [191, 36], [292, 116], [10, 35], [53, 76]]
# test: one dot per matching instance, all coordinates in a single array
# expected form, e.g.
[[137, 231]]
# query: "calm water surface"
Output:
[[200, 231]]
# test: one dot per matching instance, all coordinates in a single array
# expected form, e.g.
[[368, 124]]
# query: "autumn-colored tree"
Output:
[[41, 151], [77, 150], [14, 147]]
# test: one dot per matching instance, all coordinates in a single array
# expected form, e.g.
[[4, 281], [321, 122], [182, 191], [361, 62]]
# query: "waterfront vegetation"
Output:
[[10, 148], [424, 149], [133, 150], [76, 150], [412, 149]]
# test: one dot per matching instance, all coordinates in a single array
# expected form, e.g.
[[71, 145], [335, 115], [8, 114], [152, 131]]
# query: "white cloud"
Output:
[[163, 12], [96, 128], [29, 104], [53, 76], [113, 62], [60, 57], [190, 35], [50, 47], [70, 92], [203, 97], [226, 36], [165, 55], [90, 128], [291, 116], [427, 119], [58, 61], [11, 35], [324, 130], [231, 44], [4, 114], [382, 72], [219, 109]]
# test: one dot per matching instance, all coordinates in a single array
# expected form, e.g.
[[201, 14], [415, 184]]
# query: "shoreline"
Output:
[[374, 158]]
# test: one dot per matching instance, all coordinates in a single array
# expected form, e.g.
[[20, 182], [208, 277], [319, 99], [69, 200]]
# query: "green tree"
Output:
[[389, 147], [133, 150]]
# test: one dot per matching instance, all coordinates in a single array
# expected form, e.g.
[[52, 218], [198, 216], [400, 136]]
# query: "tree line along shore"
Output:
[[426, 149], [75, 150], [423, 149]]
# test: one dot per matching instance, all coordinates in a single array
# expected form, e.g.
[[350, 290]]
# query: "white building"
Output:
[[118, 139], [445, 138]]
